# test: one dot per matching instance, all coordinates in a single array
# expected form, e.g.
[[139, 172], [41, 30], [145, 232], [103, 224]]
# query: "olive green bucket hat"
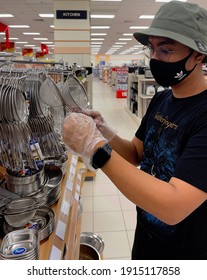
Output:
[[182, 22]]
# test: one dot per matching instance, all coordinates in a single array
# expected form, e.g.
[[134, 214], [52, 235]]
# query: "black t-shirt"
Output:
[[174, 133]]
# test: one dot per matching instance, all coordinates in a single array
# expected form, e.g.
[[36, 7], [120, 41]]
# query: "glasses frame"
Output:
[[159, 53]]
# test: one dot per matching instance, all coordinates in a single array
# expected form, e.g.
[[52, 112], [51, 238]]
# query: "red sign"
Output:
[[3, 47], [27, 52], [39, 54]]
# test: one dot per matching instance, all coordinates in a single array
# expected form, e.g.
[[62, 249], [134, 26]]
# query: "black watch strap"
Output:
[[101, 156]]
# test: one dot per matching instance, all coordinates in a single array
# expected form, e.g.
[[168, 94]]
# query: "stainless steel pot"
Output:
[[88, 252]]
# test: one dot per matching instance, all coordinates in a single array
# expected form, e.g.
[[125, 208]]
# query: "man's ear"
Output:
[[199, 56]]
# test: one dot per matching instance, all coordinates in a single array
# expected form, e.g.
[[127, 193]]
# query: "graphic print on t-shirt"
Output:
[[159, 158]]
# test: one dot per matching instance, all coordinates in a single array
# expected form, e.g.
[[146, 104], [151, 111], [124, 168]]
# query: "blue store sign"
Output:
[[71, 14]]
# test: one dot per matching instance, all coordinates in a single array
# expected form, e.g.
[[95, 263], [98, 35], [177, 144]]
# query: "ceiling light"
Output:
[[169, 0], [98, 34], [47, 15], [125, 39], [40, 39], [128, 34], [138, 27], [21, 43], [120, 43], [96, 43], [102, 16], [12, 38], [31, 33], [29, 45], [106, 0], [100, 27], [6, 15], [19, 26], [52, 26], [147, 17], [97, 39]]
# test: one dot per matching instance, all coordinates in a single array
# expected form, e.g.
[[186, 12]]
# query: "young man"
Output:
[[170, 188]]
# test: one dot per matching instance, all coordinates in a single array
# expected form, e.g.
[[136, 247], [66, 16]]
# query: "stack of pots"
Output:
[[25, 185]]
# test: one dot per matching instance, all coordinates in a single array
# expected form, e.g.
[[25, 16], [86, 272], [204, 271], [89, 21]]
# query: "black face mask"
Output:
[[170, 73]]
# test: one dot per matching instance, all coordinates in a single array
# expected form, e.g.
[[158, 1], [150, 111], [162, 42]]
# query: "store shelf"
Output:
[[63, 243], [137, 99]]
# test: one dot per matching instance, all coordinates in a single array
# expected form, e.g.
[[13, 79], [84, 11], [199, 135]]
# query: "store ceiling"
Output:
[[126, 13]]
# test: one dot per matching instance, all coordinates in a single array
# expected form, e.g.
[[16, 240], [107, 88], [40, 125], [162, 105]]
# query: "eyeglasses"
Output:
[[162, 52]]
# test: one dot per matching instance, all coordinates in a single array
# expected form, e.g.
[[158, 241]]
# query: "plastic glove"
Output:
[[107, 131], [81, 135]]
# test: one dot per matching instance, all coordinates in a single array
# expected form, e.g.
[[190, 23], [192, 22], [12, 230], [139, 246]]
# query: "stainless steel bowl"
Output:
[[19, 219], [92, 239], [21, 205], [55, 175], [60, 162]]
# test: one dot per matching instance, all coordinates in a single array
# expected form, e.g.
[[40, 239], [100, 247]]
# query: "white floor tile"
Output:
[[130, 219], [126, 204], [87, 222], [87, 189], [108, 221], [130, 234], [116, 245], [109, 203], [87, 203]]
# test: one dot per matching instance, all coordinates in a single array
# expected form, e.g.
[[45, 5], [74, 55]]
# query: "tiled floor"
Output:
[[105, 210]]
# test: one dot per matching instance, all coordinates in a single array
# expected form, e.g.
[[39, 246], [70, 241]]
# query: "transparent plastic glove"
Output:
[[81, 135], [107, 131]]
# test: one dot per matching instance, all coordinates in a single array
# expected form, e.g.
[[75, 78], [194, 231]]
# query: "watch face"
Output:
[[101, 156]]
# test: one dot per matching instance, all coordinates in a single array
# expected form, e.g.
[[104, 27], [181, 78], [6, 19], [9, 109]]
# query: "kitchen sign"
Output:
[[71, 14]]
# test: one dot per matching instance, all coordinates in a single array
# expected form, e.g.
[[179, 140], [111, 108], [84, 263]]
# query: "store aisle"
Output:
[[105, 210]]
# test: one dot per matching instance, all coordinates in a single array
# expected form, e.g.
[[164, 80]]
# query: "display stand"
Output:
[[64, 242]]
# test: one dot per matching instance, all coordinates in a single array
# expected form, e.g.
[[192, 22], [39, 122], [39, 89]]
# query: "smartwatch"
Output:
[[101, 156]]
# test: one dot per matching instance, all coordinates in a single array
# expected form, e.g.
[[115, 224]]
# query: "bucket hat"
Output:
[[182, 22]]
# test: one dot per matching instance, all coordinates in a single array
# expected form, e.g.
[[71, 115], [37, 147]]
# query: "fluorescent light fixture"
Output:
[[40, 39], [52, 26], [146, 16], [106, 0], [102, 16], [12, 38], [125, 39], [21, 43], [169, 0], [100, 27], [128, 34], [120, 43], [19, 26], [48, 43], [31, 33], [138, 27], [98, 34], [96, 43], [97, 39], [47, 15], [29, 45], [6, 15]]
